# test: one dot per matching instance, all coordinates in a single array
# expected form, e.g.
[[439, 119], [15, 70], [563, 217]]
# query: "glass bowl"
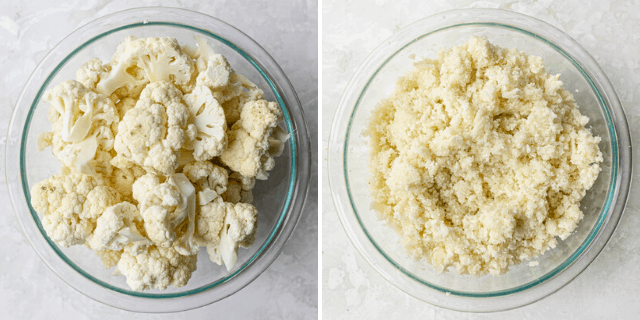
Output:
[[380, 245], [279, 199]]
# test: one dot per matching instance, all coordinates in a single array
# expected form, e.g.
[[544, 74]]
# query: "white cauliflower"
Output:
[[124, 129], [208, 117], [60, 200], [90, 72], [213, 69], [186, 244], [116, 227], [230, 89], [152, 133], [234, 96], [209, 221], [156, 269], [249, 140], [239, 229], [140, 61], [168, 210], [82, 126], [98, 200], [210, 181]]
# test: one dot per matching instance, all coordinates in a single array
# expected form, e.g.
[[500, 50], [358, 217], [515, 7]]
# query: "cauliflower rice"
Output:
[[480, 158]]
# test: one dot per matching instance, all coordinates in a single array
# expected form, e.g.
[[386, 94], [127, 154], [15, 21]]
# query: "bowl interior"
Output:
[[356, 151], [270, 197]]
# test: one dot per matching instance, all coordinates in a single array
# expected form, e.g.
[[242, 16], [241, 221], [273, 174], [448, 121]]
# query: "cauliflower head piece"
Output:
[[156, 269], [210, 181], [238, 230], [152, 133], [61, 202], [147, 60], [83, 125], [208, 117], [168, 211], [116, 227], [249, 140]]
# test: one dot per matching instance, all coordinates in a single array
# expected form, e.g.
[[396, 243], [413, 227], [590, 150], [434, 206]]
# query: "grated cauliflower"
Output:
[[141, 139], [479, 159]]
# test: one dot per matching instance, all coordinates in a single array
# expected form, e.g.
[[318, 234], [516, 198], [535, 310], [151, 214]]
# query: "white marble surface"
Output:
[[609, 31], [288, 31]]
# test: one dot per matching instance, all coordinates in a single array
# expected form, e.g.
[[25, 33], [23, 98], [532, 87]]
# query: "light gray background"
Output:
[[609, 31], [288, 30]]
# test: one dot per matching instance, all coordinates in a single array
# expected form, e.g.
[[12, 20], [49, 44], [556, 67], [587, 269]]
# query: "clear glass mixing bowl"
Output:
[[380, 245], [279, 200]]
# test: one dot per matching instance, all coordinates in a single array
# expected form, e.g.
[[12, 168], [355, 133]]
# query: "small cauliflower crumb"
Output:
[[479, 159]]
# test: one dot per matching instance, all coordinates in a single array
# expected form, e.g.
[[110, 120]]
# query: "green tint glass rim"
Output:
[[604, 214], [292, 144]]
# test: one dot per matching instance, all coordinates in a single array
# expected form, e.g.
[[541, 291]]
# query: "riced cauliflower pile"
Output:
[[160, 149], [479, 159]]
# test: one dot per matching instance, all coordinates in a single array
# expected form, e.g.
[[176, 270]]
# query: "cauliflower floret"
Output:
[[90, 72], [209, 221], [247, 152], [215, 72], [168, 210], [239, 189], [239, 229], [82, 125], [156, 269], [186, 244], [152, 133], [98, 200], [213, 69], [233, 97], [140, 61], [230, 89], [210, 181], [116, 227], [60, 200], [208, 117]]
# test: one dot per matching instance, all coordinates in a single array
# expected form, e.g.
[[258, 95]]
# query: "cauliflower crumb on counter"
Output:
[[480, 158], [137, 138]]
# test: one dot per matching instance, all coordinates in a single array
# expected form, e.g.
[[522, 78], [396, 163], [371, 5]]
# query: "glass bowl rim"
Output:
[[347, 109], [297, 186]]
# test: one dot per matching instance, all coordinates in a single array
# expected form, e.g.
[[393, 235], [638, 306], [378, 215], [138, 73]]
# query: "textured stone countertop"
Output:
[[609, 31], [288, 31]]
